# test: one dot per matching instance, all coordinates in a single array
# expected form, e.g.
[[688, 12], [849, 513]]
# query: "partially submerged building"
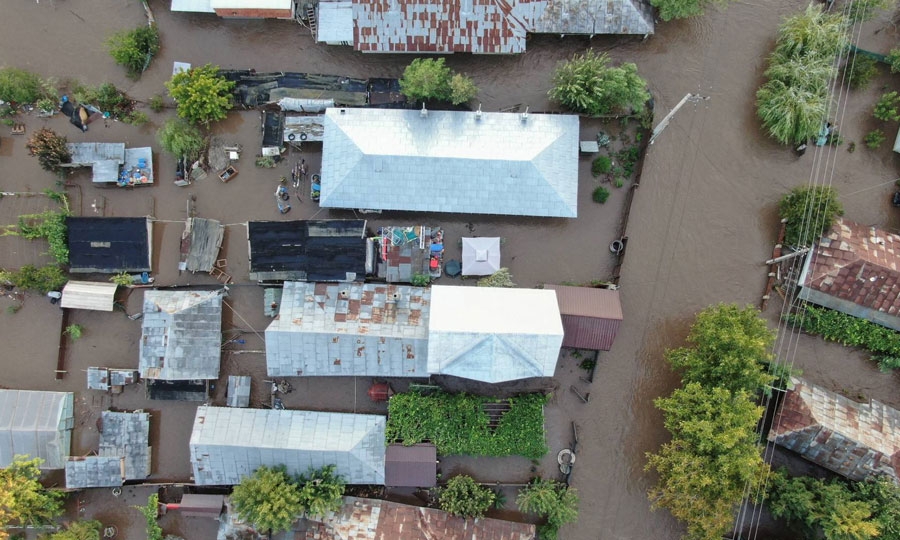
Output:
[[855, 440], [855, 269], [370, 329], [410, 466], [451, 161], [123, 455], [200, 244], [471, 26], [228, 444], [109, 245], [239, 9], [590, 316], [112, 163], [36, 424], [181, 335], [493, 334], [382, 519], [93, 295], [309, 250], [107, 379]]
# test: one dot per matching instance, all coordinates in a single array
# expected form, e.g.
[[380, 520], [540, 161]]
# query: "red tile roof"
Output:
[[852, 439], [372, 519], [858, 264]]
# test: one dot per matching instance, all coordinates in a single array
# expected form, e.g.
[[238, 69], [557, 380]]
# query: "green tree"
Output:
[[860, 70], [810, 212], [133, 49], [681, 9], [42, 279], [322, 491], [555, 501], [812, 34], [151, 514], [181, 139], [426, 78], [50, 149], [462, 89], [268, 499], [893, 58], [874, 138], [791, 114], [500, 278], [864, 11], [19, 86], [79, 530], [886, 108], [462, 496], [202, 95], [23, 500], [884, 497], [730, 348], [588, 84]]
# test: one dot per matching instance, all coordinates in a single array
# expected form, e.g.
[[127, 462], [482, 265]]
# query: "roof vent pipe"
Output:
[[424, 112], [478, 112], [525, 115]]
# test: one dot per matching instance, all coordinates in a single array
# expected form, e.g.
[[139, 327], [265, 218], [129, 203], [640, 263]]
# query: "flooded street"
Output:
[[702, 223]]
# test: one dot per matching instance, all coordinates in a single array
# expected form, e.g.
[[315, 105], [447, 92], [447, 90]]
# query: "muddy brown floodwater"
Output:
[[702, 222]]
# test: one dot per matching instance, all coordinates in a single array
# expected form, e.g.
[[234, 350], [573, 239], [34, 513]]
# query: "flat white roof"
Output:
[[94, 295], [335, 22], [251, 4], [193, 6], [494, 310]]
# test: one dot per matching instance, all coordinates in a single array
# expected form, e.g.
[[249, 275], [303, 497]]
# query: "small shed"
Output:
[[95, 471], [480, 256], [200, 244], [208, 506], [591, 317], [238, 391], [309, 250], [410, 466], [335, 23], [95, 295]]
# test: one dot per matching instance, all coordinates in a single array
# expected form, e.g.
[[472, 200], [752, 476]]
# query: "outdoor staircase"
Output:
[[311, 21], [495, 412]]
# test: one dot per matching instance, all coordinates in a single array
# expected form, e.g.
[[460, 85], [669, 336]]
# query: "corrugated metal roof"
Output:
[[492, 334], [349, 329], [313, 250], [205, 240], [38, 424], [335, 20], [181, 335], [109, 244], [238, 391], [591, 317], [853, 439], [194, 505], [127, 435], [94, 295], [451, 161], [591, 17], [228, 444], [410, 466]]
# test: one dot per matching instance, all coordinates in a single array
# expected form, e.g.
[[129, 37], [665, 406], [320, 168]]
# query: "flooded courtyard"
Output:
[[703, 221]]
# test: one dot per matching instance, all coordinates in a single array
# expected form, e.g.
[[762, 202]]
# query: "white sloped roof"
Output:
[[228, 444], [451, 161], [493, 334], [37, 424], [480, 256]]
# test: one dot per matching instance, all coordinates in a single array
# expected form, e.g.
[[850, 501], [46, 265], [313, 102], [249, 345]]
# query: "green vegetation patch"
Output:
[[457, 424]]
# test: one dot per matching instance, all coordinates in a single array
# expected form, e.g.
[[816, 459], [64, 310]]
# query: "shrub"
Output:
[[157, 104], [860, 70], [874, 138], [462, 89], [462, 496], [588, 84], [893, 58], [600, 194], [458, 424], [122, 279], [74, 331], [420, 280], [136, 118], [863, 11], [681, 9], [151, 513], [628, 157], [886, 107], [321, 491], [601, 165], [182, 139], [105, 97], [44, 279], [19, 86], [500, 278], [134, 49], [551, 499], [50, 149], [266, 162], [619, 182], [809, 213]]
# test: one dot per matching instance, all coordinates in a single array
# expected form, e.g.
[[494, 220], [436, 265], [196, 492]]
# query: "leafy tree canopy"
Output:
[[551, 499], [681, 9], [202, 95], [810, 212], [133, 49], [814, 33], [50, 149], [180, 138], [19, 86], [589, 85], [322, 491], [462, 496], [23, 500], [462, 89], [268, 499], [426, 78], [79, 530], [731, 345]]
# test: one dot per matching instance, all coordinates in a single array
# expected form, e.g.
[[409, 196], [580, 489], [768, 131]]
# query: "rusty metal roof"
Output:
[[856, 264], [852, 439]]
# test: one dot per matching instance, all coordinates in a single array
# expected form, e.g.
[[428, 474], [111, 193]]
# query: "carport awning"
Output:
[[97, 296]]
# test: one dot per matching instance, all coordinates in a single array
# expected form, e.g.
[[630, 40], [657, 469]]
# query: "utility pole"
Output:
[[693, 98]]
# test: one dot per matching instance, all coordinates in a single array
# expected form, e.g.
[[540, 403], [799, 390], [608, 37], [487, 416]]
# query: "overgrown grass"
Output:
[[457, 424]]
